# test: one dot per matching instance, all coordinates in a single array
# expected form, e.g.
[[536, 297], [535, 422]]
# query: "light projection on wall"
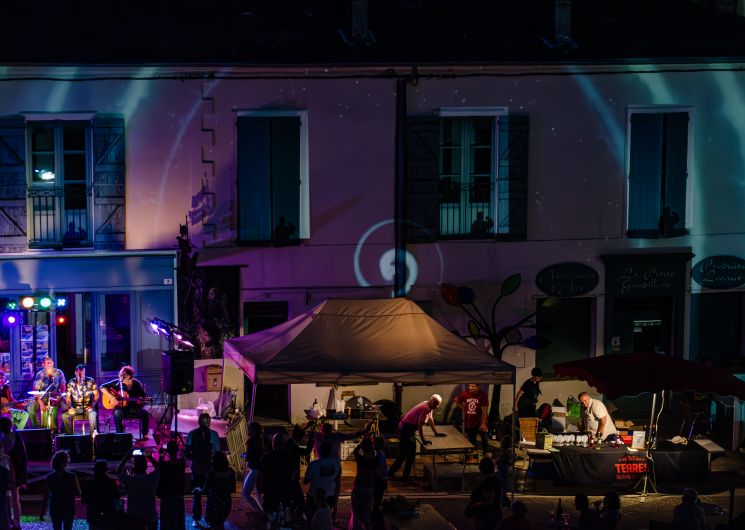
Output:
[[386, 262]]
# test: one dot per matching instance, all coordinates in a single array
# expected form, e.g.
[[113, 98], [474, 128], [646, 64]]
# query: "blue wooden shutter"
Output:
[[512, 176], [422, 178], [676, 172], [108, 181], [13, 236], [645, 175], [285, 156], [254, 179]]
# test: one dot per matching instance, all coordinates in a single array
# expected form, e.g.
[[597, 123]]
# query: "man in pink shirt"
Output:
[[417, 417]]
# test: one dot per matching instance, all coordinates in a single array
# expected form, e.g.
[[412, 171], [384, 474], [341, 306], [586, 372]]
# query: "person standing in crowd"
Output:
[[417, 417], [172, 471], [219, 486], [130, 396], [62, 488], [257, 446], [380, 482], [589, 519], [474, 404], [610, 513], [277, 475], [82, 396], [595, 418], [362, 491], [19, 417], [6, 486], [485, 506], [335, 438], [526, 400], [51, 381], [517, 520], [322, 518], [100, 495], [14, 448], [688, 515], [323, 473], [201, 444], [141, 487]]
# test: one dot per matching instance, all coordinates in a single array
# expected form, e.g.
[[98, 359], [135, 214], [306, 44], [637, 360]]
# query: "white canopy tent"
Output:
[[347, 342]]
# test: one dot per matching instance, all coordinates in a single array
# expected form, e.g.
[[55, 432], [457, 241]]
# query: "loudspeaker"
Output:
[[177, 372], [80, 447], [113, 446], [38, 443]]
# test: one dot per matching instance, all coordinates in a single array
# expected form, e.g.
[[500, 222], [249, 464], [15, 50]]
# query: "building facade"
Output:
[[615, 191]]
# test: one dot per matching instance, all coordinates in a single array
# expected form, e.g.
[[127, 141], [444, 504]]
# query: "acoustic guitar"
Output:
[[5, 404], [120, 399]]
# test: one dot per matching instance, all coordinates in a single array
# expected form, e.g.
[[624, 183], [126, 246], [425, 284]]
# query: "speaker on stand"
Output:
[[177, 378]]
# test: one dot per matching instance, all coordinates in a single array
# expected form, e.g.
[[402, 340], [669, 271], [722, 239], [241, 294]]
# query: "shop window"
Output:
[[717, 330], [114, 327]]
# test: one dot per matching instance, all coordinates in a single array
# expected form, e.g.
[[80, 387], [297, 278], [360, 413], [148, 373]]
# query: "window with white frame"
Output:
[[273, 177], [59, 182], [467, 174], [658, 176]]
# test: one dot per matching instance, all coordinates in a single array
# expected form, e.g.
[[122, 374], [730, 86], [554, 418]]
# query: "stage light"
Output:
[[61, 319], [61, 302], [186, 343], [45, 302], [12, 306], [27, 302], [154, 327], [10, 320]]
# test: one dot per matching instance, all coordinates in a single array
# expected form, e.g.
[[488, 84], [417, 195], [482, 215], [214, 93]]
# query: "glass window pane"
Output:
[[42, 137], [43, 168], [451, 132], [114, 324], [482, 158], [73, 137], [74, 167], [482, 131]]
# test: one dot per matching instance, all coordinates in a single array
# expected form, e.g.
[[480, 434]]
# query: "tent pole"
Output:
[[652, 426], [513, 436], [222, 386], [253, 402]]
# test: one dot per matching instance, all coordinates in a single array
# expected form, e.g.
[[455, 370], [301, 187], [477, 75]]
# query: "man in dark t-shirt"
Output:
[[475, 404], [526, 400], [130, 393]]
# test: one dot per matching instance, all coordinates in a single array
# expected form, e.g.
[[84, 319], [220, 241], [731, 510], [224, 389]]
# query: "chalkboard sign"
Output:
[[567, 279], [719, 272]]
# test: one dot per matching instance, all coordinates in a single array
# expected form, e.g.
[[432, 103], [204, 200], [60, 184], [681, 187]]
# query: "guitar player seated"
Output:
[[7, 404], [82, 395], [126, 395]]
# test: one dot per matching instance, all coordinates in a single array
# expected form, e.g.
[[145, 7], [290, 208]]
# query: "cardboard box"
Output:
[[544, 440]]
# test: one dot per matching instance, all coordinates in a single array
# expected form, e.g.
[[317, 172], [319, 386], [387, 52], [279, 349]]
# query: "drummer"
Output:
[[49, 384]]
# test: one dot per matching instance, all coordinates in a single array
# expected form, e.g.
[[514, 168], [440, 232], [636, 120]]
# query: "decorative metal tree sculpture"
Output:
[[499, 337]]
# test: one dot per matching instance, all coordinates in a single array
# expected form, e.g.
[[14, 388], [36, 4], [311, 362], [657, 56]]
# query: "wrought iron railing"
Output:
[[466, 210], [60, 217]]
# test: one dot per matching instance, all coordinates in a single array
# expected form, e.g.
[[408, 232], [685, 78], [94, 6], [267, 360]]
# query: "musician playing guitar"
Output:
[[18, 417], [51, 381], [130, 397], [82, 395]]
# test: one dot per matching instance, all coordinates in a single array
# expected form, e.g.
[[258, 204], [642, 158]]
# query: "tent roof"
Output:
[[364, 341]]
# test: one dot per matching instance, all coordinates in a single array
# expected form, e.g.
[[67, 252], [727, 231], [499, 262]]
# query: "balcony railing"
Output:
[[60, 217], [466, 210]]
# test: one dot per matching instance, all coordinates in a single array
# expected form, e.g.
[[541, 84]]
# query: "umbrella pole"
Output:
[[253, 401], [652, 437], [513, 436]]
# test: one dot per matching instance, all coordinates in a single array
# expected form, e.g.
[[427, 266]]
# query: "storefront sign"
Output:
[[567, 279], [719, 272]]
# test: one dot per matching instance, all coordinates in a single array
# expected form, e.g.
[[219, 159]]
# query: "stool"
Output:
[[77, 420]]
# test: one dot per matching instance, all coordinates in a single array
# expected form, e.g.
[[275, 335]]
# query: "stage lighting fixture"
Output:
[[45, 302], [61, 302], [11, 306], [27, 302], [61, 319], [10, 320]]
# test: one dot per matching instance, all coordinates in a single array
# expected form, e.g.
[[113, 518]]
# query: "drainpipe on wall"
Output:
[[399, 205]]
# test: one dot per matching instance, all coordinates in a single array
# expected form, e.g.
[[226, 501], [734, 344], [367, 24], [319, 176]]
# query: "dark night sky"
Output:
[[405, 31]]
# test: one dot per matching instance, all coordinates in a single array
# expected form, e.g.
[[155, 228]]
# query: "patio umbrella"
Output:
[[628, 374]]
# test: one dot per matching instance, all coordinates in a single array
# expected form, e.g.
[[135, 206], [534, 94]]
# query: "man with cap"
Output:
[[417, 417], [82, 396]]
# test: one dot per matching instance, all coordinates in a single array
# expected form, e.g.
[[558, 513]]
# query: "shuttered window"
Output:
[[467, 177], [658, 174], [272, 179]]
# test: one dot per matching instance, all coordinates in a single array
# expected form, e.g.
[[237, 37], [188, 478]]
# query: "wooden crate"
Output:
[[528, 429]]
